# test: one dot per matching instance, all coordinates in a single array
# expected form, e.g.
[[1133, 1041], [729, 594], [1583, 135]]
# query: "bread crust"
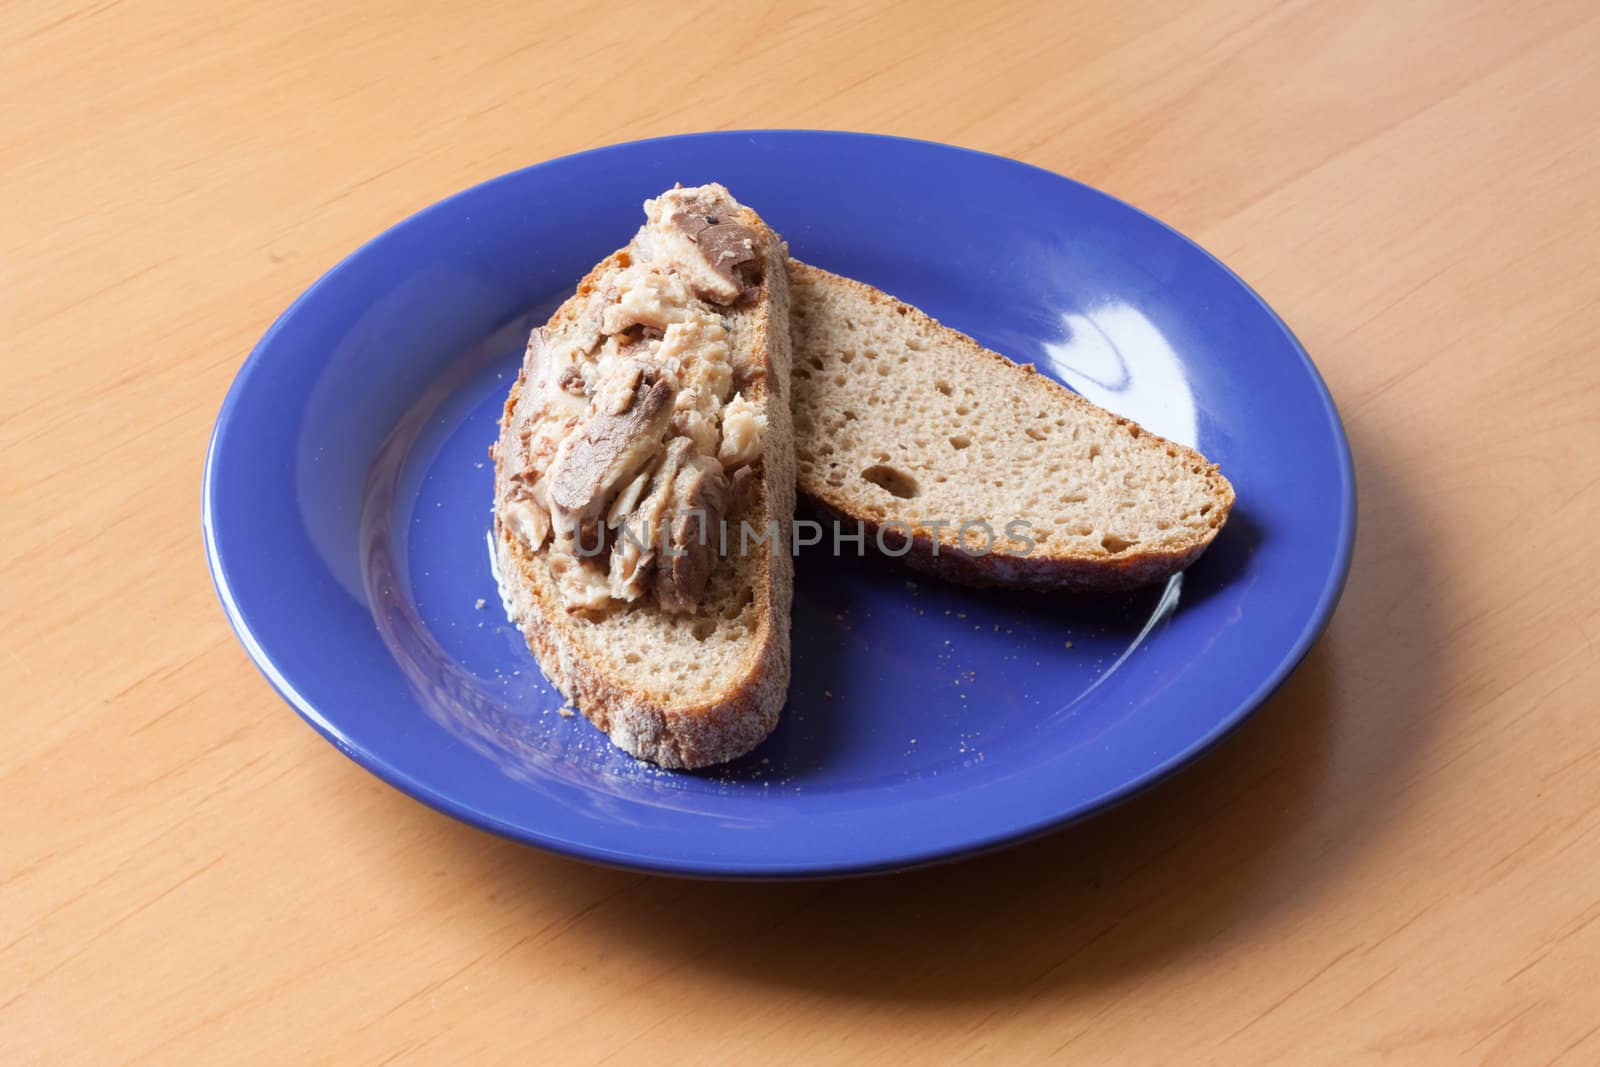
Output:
[[715, 727], [952, 563], [680, 737], [940, 554]]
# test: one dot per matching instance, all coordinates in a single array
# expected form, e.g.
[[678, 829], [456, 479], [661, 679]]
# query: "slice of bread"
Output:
[[681, 685], [913, 429]]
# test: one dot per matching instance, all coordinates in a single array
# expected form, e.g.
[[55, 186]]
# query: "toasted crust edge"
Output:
[[678, 738], [952, 563], [723, 726], [946, 559]]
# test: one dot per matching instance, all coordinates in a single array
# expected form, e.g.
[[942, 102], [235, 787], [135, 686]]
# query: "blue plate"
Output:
[[347, 495]]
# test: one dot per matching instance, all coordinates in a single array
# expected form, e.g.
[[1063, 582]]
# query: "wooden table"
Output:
[[1397, 861]]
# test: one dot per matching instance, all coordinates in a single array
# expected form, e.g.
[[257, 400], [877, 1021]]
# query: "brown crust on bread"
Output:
[[952, 563], [715, 727], [1041, 569], [677, 737]]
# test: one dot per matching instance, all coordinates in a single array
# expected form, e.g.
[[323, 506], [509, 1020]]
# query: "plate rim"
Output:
[[1014, 832]]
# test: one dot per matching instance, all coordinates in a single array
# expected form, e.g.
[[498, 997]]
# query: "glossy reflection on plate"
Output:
[[348, 538]]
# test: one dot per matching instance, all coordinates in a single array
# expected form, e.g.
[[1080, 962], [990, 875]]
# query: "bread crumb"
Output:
[[480, 603], [565, 712], [1067, 645], [828, 693]]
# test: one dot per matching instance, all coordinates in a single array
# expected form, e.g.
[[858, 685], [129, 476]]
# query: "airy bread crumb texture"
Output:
[[899, 419], [668, 658]]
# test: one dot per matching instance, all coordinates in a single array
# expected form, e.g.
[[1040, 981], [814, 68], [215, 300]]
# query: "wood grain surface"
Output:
[[1397, 861]]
